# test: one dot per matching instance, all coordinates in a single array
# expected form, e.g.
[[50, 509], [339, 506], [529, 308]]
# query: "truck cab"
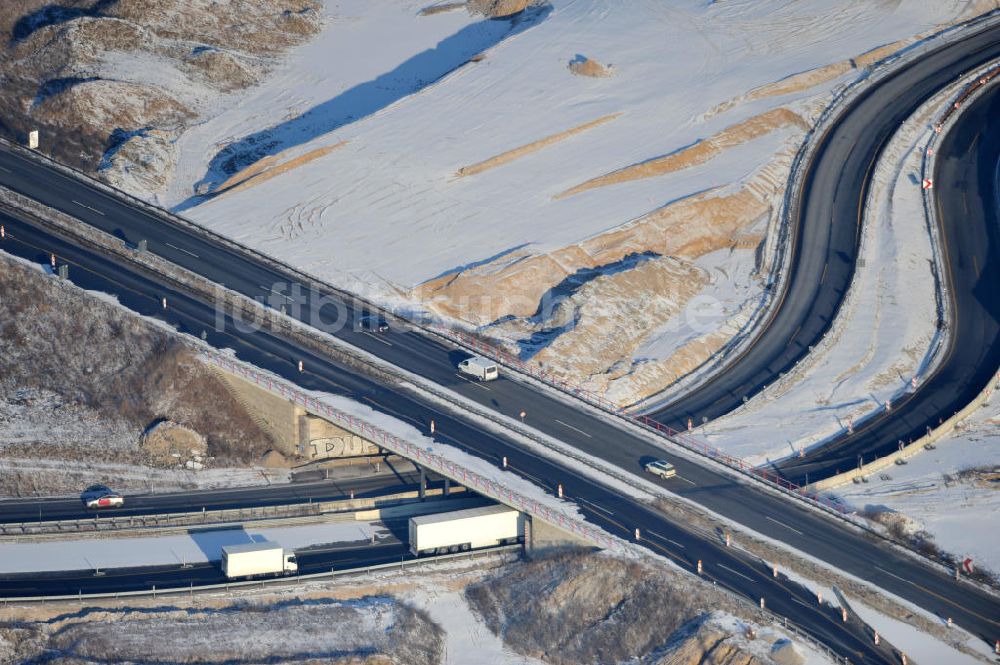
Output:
[[479, 368]]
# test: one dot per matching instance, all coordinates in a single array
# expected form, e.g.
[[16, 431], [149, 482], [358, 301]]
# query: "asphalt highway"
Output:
[[968, 201], [827, 234], [617, 512], [118, 580], [752, 506], [49, 509]]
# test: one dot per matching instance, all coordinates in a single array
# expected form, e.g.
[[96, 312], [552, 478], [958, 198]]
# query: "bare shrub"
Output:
[[92, 353], [376, 630], [576, 607], [498, 8]]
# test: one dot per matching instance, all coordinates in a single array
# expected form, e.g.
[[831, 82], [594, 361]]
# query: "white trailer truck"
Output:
[[479, 368], [464, 530], [252, 559]]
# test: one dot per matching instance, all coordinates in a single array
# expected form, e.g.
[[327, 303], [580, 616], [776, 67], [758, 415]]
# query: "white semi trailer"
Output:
[[464, 530], [252, 559]]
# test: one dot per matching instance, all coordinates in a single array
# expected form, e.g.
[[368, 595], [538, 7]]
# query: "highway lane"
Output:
[[726, 567], [418, 354], [48, 509], [968, 210], [815, 245], [792, 523], [827, 234], [118, 580]]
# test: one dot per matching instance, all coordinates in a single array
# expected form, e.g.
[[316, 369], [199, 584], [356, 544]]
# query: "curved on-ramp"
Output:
[[826, 236], [968, 211]]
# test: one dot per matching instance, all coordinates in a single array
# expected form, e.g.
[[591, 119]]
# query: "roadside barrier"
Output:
[[425, 456], [266, 582]]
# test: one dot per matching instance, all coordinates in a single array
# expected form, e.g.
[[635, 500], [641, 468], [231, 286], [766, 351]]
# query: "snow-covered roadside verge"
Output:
[[829, 583], [886, 336], [132, 478], [199, 546], [952, 491]]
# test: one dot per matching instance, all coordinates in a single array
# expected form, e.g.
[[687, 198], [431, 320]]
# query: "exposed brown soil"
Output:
[[58, 338], [588, 67], [699, 153], [534, 146], [57, 79]]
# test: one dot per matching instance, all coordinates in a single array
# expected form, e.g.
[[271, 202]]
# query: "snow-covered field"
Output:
[[362, 133], [195, 547], [960, 510], [387, 206]]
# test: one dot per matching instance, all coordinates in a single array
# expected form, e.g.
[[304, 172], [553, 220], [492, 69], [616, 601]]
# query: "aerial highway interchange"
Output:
[[824, 249]]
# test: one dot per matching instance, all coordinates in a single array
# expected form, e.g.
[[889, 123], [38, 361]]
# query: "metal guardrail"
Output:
[[845, 96], [291, 511], [468, 341], [265, 582], [947, 118], [462, 339], [424, 456]]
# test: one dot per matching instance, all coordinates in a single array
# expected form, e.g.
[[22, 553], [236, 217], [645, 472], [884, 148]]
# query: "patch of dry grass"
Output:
[[576, 607], [582, 66], [58, 338], [534, 146], [699, 153], [269, 167], [441, 9], [373, 630]]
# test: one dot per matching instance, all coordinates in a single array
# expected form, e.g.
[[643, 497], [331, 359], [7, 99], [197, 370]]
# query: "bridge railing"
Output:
[[422, 455]]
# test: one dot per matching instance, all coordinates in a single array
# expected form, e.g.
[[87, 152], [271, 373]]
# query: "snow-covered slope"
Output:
[[450, 160], [388, 203]]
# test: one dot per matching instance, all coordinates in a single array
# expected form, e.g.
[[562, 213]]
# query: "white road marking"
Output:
[[748, 579], [376, 338], [669, 540], [783, 524], [181, 249], [677, 475], [794, 599], [84, 205], [574, 429], [595, 506], [901, 579], [4, 170], [478, 384]]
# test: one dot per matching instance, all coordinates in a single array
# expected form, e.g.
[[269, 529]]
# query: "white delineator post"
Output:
[[33, 139]]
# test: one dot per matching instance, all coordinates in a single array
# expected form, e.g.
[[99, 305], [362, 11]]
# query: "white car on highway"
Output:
[[99, 496], [661, 468], [481, 369]]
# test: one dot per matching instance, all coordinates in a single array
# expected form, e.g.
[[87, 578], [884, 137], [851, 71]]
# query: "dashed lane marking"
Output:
[[181, 249], [783, 524], [84, 205], [734, 572], [580, 431]]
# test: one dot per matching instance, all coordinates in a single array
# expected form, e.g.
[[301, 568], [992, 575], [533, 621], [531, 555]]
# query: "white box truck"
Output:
[[463, 530], [479, 368], [251, 559]]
